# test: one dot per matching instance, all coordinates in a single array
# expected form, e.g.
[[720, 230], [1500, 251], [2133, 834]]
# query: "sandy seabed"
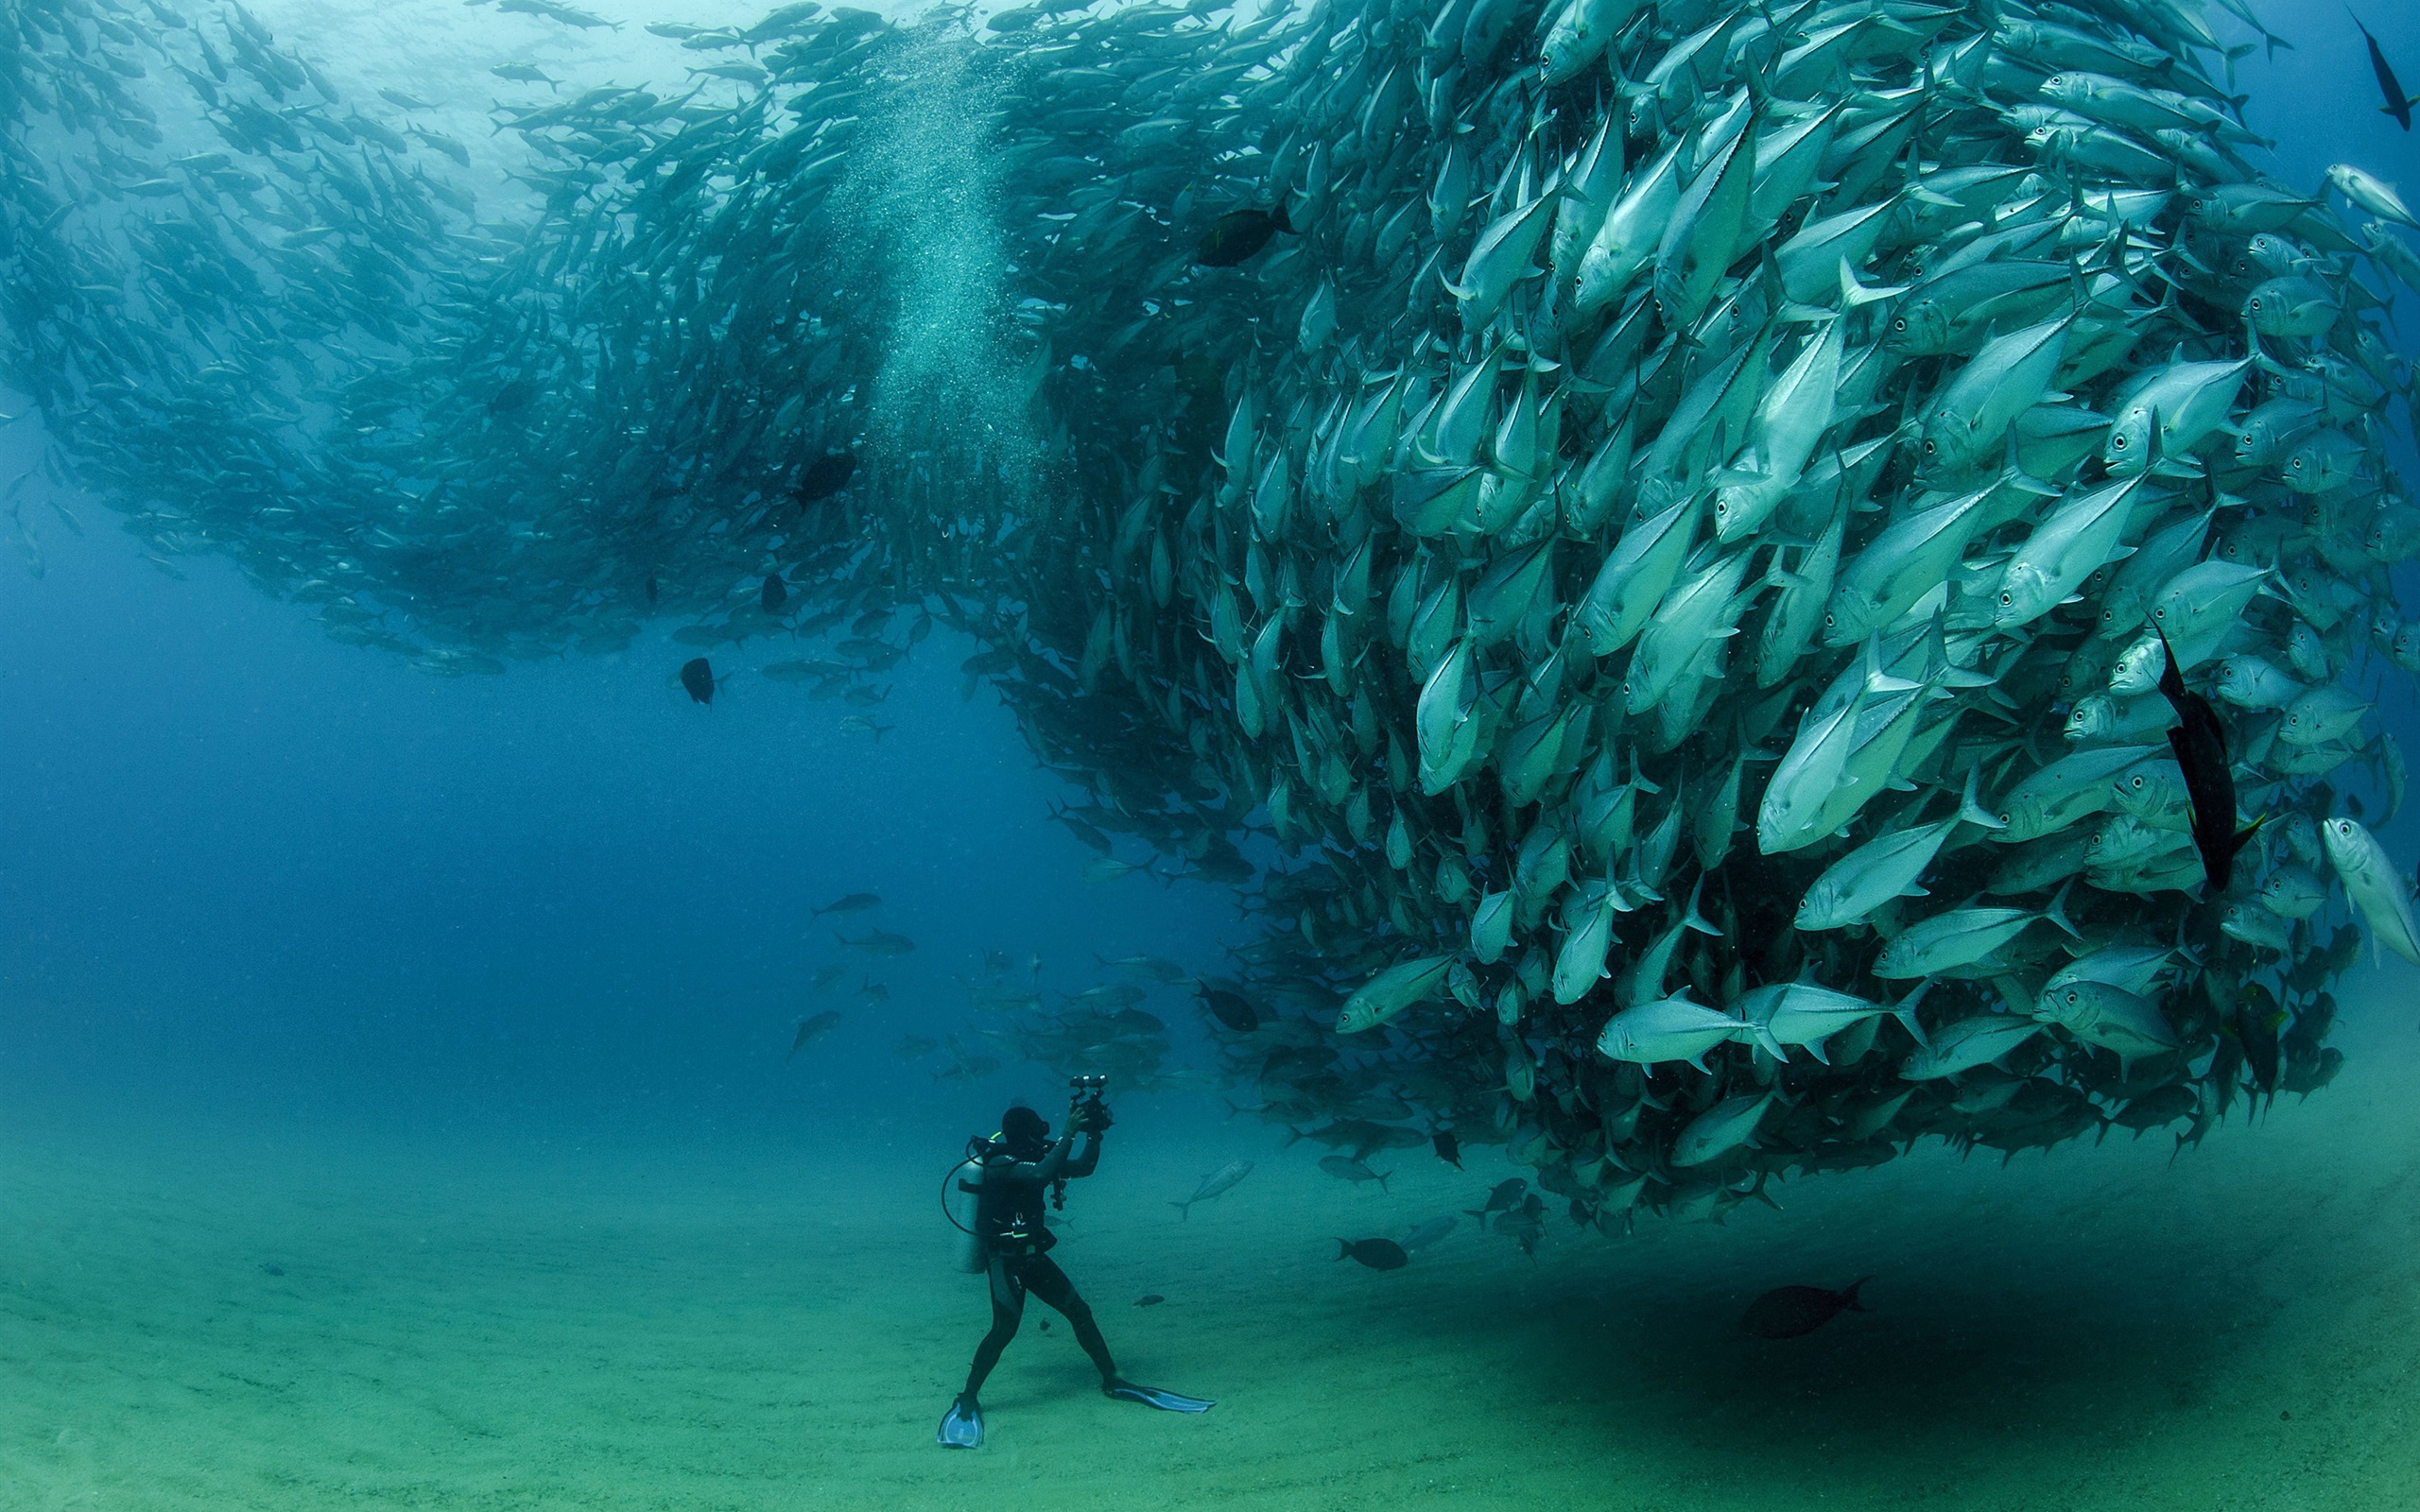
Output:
[[298, 1320]]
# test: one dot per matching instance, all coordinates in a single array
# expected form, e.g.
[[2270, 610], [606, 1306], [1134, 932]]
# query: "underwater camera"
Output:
[[1086, 1113]]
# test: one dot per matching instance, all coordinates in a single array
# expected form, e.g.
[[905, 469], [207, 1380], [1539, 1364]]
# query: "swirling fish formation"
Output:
[[1662, 543]]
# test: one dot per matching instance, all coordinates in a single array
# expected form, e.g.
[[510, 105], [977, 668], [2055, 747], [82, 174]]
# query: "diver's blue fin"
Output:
[[1154, 1397], [963, 1426]]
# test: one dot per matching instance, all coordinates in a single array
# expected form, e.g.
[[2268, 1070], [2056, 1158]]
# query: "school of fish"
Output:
[[1660, 543]]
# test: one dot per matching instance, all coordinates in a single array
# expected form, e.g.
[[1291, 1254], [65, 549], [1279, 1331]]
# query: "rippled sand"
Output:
[[509, 1325]]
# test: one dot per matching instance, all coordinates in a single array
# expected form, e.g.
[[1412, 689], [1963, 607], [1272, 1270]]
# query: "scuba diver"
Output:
[[1010, 1242]]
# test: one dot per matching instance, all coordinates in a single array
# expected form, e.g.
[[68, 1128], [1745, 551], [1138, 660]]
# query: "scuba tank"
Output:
[[961, 1197]]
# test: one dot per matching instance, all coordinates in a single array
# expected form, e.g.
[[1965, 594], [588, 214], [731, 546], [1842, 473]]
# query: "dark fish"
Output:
[[512, 397], [1149, 1299], [811, 1029], [1504, 1198], [774, 595], [521, 74], [914, 1047], [1789, 1312], [1230, 1009], [1448, 1148], [879, 942], [697, 676], [2201, 744], [653, 591], [1346, 1167], [830, 977], [1239, 233], [271, 1268], [1378, 1254], [2397, 104], [824, 476], [856, 902]]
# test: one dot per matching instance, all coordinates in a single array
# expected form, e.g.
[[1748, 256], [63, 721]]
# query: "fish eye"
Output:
[[1900, 323], [1929, 448], [2118, 442], [2007, 597]]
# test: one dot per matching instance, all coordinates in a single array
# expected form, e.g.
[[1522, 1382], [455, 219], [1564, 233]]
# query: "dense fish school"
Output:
[[1659, 544]]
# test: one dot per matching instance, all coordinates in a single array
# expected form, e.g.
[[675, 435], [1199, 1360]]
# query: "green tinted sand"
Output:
[[535, 1326]]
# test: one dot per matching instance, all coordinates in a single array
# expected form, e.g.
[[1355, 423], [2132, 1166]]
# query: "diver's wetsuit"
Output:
[[1012, 1190]]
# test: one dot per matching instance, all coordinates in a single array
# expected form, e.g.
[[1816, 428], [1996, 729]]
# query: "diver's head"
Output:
[[1025, 1132]]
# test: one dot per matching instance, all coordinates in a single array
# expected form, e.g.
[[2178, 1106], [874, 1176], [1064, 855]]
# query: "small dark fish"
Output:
[[2397, 103], [1504, 1198], [824, 476], [1791, 1311], [397, 97], [653, 591], [2201, 745], [1429, 1232], [1346, 1167], [856, 902], [1378, 1254], [774, 593], [1149, 1299], [811, 1029], [830, 977], [874, 994], [512, 398], [1239, 233], [271, 1268], [697, 676], [1448, 1148], [879, 942], [521, 74], [914, 1047], [1230, 1009]]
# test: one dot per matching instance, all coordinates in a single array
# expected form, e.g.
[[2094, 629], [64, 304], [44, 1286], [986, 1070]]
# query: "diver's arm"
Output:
[[1050, 1168], [1082, 1164]]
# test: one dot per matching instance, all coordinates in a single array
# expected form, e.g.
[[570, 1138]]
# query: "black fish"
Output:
[[1378, 1254], [811, 1029], [1239, 233], [774, 595], [825, 476], [1448, 1148], [1230, 1009], [1502, 1199], [1149, 1299], [1791, 1311], [512, 397], [697, 676], [652, 592], [2201, 745], [2397, 104]]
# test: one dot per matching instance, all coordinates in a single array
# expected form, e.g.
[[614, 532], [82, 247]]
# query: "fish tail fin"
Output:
[[2057, 912], [1277, 218], [1184, 1209], [1291, 1134], [1691, 918], [1970, 807], [1382, 1181], [1905, 1011], [1849, 1298], [1344, 1247]]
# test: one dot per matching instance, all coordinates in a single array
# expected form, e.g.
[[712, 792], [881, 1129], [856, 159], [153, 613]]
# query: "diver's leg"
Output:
[[1008, 1310], [1044, 1277]]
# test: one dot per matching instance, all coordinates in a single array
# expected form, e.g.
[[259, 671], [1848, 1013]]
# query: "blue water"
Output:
[[261, 888]]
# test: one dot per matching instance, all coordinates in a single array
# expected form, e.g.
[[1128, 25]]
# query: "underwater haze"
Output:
[[1547, 630]]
